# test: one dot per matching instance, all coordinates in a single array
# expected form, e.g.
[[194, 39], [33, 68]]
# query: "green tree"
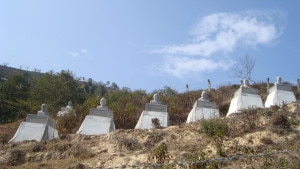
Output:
[[126, 106], [114, 86], [55, 90], [14, 94]]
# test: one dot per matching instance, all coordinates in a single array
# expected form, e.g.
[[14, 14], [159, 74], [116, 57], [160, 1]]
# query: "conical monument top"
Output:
[[246, 83], [204, 96], [102, 104], [155, 99], [43, 110], [278, 80]]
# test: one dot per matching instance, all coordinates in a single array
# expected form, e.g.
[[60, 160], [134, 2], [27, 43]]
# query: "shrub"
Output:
[[128, 143], [214, 127], [266, 140], [4, 139], [17, 157], [160, 153], [280, 123], [37, 147], [279, 118], [245, 121], [81, 152], [197, 160], [153, 138], [155, 123], [67, 124]]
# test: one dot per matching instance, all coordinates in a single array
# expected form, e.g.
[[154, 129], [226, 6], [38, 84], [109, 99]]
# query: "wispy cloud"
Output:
[[220, 34], [81, 53], [74, 54], [84, 51], [183, 66]]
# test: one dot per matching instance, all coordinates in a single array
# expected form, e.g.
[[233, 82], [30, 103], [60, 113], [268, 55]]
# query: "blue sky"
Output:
[[149, 44]]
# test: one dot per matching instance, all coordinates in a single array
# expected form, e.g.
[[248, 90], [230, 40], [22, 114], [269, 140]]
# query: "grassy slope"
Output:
[[252, 132]]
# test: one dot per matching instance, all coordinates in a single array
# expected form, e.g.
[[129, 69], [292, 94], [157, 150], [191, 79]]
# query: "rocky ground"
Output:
[[257, 138]]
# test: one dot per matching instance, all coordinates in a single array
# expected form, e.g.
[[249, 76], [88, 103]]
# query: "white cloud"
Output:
[[218, 34], [74, 54], [222, 32], [84, 51], [183, 66], [81, 53]]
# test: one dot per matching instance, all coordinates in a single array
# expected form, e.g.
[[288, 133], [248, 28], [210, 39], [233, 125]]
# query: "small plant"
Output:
[[3, 140], [128, 143], [160, 153], [280, 123], [220, 151], [38, 147], [17, 157], [79, 151], [197, 159], [155, 123], [280, 118], [67, 123], [266, 140], [153, 138], [216, 129], [274, 108]]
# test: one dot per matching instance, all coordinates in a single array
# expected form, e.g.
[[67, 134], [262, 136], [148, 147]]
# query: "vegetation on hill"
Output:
[[23, 93], [248, 134]]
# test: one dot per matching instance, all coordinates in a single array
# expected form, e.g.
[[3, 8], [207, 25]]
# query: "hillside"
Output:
[[6, 72], [256, 138]]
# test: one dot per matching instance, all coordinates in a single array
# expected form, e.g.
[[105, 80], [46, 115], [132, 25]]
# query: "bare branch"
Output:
[[243, 68]]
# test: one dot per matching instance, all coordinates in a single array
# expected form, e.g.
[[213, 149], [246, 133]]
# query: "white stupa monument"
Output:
[[280, 93], [244, 98], [99, 121], [67, 110], [36, 127], [154, 114], [203, 109]]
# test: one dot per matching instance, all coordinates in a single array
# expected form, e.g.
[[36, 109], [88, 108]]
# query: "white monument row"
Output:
[[100, 120]]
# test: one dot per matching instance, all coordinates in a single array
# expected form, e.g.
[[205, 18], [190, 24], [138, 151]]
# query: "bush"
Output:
[[280, 118], [280, 123], [214, 127], [17, 157], [197, 160], [128, 143], [153, 138], [4, 140], [266, 140], [160, 153], [155, 123], [67, 124], [81, 152], [37, 147]]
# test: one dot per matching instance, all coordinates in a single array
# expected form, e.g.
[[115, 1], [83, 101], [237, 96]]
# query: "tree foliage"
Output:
[[14, 94], [55, 90]]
